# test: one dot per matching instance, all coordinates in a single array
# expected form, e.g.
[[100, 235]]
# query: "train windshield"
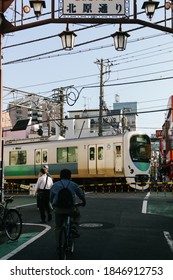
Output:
[[140, 148]]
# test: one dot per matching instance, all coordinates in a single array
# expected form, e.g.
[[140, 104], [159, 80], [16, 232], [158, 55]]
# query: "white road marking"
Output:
[[26, 205], [21, 247], [169, 240], [145, 202], [166, 233]]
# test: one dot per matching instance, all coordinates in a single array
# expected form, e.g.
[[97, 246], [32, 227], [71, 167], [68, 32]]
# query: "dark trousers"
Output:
[[60, 215], [43, 203]]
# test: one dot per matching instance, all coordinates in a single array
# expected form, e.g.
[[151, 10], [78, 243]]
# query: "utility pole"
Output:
[[3, 7], [61, 100], [102, 63], [1, 140], [101, 99]]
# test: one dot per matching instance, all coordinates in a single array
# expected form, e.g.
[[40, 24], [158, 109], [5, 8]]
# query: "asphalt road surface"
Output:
[[115, 226]]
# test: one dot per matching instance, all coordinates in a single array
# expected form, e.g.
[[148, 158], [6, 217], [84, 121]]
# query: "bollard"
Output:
[[96, 190], [109, 187], [102, 187], [149, 183], [118, 184]]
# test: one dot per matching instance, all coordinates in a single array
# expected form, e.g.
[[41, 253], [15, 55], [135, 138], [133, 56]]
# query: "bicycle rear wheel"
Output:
[[63, 244], [13, 224]]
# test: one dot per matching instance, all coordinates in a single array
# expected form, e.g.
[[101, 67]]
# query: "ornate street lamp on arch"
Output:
[[67, 39], [120, 39], [150, 7], [37, 6]]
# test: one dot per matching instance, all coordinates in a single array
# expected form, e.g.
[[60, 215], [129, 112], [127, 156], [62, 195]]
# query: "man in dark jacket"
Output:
[[73, 211]]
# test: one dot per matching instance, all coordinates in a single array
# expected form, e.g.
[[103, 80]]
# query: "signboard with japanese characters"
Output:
[[95, 8]]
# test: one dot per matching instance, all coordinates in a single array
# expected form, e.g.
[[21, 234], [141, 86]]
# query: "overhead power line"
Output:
[[49, 54]]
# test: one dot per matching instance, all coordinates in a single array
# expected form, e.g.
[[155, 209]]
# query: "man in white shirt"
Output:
[[43, 186]]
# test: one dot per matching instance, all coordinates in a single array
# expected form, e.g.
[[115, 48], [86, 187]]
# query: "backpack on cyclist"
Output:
[[65, 198]]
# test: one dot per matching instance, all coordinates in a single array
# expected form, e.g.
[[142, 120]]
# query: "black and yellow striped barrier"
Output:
[[13, 188], [127, 187]]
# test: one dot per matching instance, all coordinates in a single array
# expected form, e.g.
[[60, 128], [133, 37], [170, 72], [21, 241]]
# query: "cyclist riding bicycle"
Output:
[[64, 208]]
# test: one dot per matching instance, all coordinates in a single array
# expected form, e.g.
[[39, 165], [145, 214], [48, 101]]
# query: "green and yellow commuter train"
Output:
[[123, 158]]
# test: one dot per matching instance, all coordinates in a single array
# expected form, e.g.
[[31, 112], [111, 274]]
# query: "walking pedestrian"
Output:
[[43, 186]]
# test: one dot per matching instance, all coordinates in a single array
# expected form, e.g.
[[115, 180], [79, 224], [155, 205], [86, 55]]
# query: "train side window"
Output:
[[100, 153], [68, 154], [38, 157], [72, 154], [92, 153], [62, 155], [44, 154], [13, 158], [118, 151], [17, 157]]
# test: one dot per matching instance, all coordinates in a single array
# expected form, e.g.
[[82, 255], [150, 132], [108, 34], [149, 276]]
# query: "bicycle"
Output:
[[66, 238], [10, 220]]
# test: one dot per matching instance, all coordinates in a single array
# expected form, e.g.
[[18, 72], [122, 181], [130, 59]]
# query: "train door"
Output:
[[118, 159], [96, 159], [92, 159], [40, 159]]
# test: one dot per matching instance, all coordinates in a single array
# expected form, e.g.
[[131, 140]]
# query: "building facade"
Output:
[[166, 142], [47, 117], [43, 115], [129, 113], [85, 123]]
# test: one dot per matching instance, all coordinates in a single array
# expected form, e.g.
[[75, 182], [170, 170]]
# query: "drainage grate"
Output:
[[91, 225]]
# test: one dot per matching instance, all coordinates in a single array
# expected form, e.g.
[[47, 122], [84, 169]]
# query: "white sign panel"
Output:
[[94, 7]]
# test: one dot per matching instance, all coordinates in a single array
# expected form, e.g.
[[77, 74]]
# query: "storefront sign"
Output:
[[96, 7]]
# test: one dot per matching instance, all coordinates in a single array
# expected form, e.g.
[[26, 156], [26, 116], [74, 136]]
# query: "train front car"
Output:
[[137, 155]]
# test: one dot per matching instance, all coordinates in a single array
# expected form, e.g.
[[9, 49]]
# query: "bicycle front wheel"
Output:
[[63, 244], [13, 224]]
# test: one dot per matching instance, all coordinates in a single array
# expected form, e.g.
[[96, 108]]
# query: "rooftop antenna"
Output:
[[117, 98], [84, 102]]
